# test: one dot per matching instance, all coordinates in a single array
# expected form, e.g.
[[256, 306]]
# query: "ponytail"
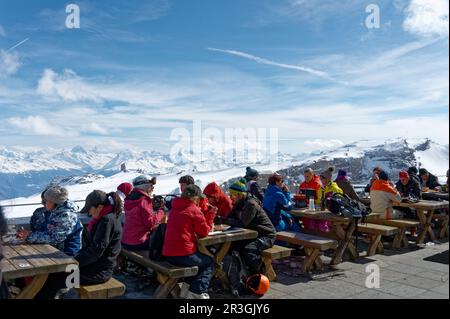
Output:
[[115, 200]]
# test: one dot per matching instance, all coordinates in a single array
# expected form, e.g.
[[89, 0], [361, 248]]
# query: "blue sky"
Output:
[[136, 70]]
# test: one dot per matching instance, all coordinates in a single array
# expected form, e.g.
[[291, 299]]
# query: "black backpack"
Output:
[[157, 243]]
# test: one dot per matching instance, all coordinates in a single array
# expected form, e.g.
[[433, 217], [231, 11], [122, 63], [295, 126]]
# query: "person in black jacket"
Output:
[[251, 178], [413, 174], [428, 180], [101, 244], [407, 186], [248, 213], [4, 292]]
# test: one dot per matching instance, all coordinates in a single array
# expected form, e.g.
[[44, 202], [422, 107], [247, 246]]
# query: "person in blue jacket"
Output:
[[277, 203]]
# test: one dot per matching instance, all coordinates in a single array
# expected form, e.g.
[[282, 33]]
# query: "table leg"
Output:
[[425, 221], [444, 228], [31, 290], [344, 238], [218, 258]]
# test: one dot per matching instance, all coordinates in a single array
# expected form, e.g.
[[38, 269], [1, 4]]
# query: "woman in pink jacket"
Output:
[[140, 219]]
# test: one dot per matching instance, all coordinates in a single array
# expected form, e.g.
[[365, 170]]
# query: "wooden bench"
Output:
[[313, 245], [168, 275], [110, 289], [268, 255], [375, 232], [402, 225]]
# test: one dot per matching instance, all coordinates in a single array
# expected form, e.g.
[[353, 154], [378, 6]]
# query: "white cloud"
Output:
[[244, 55], [427, 18], [321, 144], [9, 63], [37, 125], [95, 128], [2, 31]]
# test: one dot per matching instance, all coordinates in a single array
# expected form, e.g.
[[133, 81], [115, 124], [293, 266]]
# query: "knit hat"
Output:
[[342, 173], [403, 174], [125, 188], [422, 171], [238, 188], [192, 191], [144, 180], [188, 180], [383, 176], [328, 173], [94, 199], [251, 172], [412, 170], [56, 194]]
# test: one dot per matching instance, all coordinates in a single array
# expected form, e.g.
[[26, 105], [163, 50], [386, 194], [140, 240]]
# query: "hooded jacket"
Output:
[[313, 184], [186, 223], [222, 201], [382, 194], [140, 219], [63, 229], [277, 203], [328, 191], [347, 187], [431, 183]]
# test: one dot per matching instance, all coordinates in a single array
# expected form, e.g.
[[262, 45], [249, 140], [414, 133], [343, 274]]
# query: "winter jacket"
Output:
[[63, 230], [254, 189], [313, 184], [186, 223], [431, 183], [347, 188], [382, 194], [140, 219], [248, 213], [222, 201], [412, 188], [98, 257], [328, 191], [277, 204], [39, 219]]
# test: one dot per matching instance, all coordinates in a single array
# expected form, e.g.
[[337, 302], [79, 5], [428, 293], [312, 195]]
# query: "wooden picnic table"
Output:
[[435, 196], [342, 231], [33, 260], [425, 211], [224, 239]]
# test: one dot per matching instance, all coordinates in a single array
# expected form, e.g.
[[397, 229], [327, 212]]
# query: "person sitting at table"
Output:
[[344, 183], [408, 187], [63, 228], [382, 197], [140, 218], [312, 181], [216, 197], [185, 224], [375, 177], [252, 177], [97, 259], [327, 191], [189, 180], [39, 218], [277, 203], [248, 213], [428, 181], [414, 174], [4, 291]]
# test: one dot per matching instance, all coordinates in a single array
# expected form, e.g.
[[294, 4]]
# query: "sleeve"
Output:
[[256, 191], [57, 231], [34, 221], [248, 214], [285, 201], [353, 193], [434, 183], [150, 218], [203, 223], [100, 242], [395, 197], [417, 191]]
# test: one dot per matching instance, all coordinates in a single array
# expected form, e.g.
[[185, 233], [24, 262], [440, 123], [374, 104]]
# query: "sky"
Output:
[[135, 71]]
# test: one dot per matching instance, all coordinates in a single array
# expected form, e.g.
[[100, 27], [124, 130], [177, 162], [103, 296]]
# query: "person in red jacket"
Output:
[[140, 219], [186, 223], [312, 181], [216, 197]]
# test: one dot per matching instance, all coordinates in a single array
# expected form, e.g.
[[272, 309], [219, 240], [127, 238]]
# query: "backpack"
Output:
[[157, 243], [237, 273]]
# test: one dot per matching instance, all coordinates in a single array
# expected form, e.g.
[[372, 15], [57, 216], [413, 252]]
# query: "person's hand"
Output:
[[284, 188], [425, 189], [212, 208], [23, 234]]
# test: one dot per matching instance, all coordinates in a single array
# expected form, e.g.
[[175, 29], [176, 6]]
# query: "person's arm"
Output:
[[100, 242], [248, 214], [57, 231], [150, 218], [352, 192], [203, 222], [395, 198], [256, 191], [285, 201]]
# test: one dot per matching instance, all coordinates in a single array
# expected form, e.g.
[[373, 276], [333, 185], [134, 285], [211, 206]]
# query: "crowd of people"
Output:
[[128, 217]]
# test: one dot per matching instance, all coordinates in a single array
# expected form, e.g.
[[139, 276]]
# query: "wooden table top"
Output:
[[435, 195], [319, 214], [425, 204], [31, 260], [225, 237]]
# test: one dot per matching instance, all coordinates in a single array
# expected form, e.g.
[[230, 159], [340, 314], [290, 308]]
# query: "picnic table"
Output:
[[224, 239], [425, 211], [33, 260], [342, 231], [435, 196]]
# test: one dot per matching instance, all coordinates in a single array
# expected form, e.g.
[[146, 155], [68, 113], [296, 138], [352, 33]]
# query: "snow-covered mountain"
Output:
[[27, 172]]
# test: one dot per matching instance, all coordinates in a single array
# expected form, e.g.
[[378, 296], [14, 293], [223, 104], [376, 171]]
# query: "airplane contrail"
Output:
[[18, 44]]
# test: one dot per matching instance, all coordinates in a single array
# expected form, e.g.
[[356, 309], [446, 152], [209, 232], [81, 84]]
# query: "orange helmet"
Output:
[[258, 284]]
